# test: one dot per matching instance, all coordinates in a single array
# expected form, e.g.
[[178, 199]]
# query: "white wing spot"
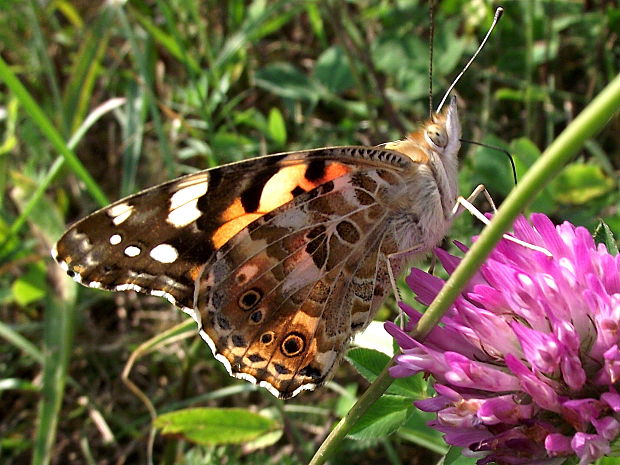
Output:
[[132, 251], [54, 252], [184, 215], [164, 253], [184, 202], [188, 194], [115, 239], [128, 287], [119, 213]]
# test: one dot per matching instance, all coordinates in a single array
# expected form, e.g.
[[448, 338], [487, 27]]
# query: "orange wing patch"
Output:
[[234, 210], [225, 232], [332, 171], [280, 189], [282, 186]]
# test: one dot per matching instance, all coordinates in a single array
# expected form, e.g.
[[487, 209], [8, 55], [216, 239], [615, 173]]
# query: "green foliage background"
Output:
[[208, 82]]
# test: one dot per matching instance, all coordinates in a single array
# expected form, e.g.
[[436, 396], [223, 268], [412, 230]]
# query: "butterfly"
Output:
[[279, 259]]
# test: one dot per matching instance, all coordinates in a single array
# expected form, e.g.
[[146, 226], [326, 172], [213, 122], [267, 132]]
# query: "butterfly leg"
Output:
[[400, 255], [466, 204]]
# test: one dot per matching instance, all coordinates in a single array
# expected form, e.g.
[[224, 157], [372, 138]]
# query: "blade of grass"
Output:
[[251, 30], [140, 53], [589, 122], [56, 166], [50, 132], [173, 334], [58, 332], [19, 341], [132, 127], [41, 48], [171, 42], [57, 341], [9, 141], [198, 77], [85, 68]]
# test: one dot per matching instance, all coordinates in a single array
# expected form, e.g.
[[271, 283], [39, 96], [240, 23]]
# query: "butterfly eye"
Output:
[[437, 135]]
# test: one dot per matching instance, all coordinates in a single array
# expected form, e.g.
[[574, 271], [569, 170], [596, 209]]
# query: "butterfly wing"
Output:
[[283, 241], [281, 301], [282, 298]]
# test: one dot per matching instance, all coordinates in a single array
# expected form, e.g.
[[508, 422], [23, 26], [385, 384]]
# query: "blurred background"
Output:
[[144, 91]]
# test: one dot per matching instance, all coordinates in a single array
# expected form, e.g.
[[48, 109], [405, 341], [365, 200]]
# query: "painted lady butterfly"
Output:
[[279, 259]]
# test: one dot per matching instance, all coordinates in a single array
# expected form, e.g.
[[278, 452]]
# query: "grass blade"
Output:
[[50, 132]]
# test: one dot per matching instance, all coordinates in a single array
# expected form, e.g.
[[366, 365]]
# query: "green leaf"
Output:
[[393, 53], [417, 431], [332, 70], [579, 183], [384, 417], [316, 22], [604, 235], [284, 80], [346, 400], [449, 48], [492, 168], [276, 127], [525, 154], [265, 440], [612, 460], [533, 94], [229, 147], [168, 42], [455, 457], [215, 425], [369, 363], [15, 443], [402, 59], [31, 286]]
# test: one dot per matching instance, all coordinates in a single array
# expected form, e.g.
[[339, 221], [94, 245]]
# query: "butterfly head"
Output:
[[436, 143], [443, 131], [437, 140], [435, 146]]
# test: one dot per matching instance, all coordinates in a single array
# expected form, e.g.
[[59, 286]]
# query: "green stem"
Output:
[[591, 120], [370, 396]]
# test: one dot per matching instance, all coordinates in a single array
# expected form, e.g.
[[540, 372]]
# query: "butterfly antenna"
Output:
[[431, 10], [498, 14], [493, 147]]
